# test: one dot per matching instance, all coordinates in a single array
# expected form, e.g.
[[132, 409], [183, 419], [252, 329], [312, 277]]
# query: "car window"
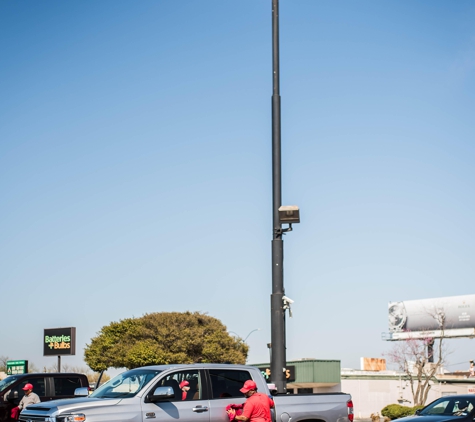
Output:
[[38, 386], [462, 407], [450, 406], [440, 407], [65, 386], [226, 383], [186, 385]]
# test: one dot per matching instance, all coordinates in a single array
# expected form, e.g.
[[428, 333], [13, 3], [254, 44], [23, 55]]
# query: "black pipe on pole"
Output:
[[430, 351], [278, 358]]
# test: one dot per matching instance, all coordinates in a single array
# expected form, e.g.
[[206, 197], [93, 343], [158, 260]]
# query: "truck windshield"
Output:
[[127, 384], [6, 382]]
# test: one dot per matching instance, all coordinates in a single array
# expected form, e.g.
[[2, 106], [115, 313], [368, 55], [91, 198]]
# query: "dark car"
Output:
[[48, 386], [458, 408]]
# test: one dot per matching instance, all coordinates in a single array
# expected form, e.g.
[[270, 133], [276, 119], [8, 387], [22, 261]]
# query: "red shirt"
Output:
[[257, 408]]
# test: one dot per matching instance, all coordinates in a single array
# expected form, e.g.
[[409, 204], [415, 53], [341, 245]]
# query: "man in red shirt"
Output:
[[257, 407]]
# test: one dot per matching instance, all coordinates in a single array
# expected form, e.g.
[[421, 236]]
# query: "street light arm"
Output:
[[257, 329], [238, 336]]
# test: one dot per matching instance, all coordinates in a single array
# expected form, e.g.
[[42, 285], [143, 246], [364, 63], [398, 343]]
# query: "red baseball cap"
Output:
[[184, 384], [248, 386], [27, 387]]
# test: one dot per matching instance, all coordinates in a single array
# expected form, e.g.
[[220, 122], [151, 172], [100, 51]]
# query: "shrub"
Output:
[[396, 411]]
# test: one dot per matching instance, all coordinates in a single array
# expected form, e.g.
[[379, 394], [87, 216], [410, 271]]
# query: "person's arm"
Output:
[[246, 410], [237, 417]]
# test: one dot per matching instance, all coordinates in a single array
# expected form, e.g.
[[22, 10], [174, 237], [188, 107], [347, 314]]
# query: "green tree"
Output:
[[164, 338]]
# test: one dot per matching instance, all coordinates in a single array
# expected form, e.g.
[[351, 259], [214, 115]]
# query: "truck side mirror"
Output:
[[81, 392], [12, 395], [162, 393]]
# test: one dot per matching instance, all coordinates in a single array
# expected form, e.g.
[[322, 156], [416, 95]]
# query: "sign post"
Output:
[[59, 342]]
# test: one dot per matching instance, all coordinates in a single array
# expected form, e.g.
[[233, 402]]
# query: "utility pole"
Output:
[[278, 355]]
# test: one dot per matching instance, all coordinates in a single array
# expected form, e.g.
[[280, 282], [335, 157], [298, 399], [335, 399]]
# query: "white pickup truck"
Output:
[[153, 392]]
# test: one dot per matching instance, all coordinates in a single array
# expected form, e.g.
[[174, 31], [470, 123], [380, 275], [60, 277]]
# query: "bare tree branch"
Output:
[[415, 358]]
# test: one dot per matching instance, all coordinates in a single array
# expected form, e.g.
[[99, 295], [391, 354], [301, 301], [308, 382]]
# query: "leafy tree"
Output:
[[164, 338]]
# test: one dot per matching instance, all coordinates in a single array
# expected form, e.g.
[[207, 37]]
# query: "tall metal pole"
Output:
[[278, 359]]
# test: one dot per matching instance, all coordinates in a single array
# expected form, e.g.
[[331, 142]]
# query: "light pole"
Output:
[[286, 215]]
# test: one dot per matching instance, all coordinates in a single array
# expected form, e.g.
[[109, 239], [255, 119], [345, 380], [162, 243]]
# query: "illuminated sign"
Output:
[[15, 367], [59, 341], [289, 373]]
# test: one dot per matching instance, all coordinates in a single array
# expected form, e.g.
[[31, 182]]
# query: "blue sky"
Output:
[[135, 166]]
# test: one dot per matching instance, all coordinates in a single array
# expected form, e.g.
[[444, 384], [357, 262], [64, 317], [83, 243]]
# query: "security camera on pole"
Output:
[[281, 215]]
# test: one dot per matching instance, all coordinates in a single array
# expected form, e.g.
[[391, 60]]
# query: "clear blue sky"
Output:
[[135, 166]]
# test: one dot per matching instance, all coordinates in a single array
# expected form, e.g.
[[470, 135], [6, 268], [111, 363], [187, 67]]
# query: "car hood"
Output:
[[431, 418], [66, 405]]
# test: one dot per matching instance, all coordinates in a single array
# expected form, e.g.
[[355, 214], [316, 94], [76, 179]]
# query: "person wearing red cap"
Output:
[[185, 387], [28, 398], [257, 407]]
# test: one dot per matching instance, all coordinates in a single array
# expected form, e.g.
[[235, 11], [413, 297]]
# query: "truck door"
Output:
[[225, 386], [189, 403]]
